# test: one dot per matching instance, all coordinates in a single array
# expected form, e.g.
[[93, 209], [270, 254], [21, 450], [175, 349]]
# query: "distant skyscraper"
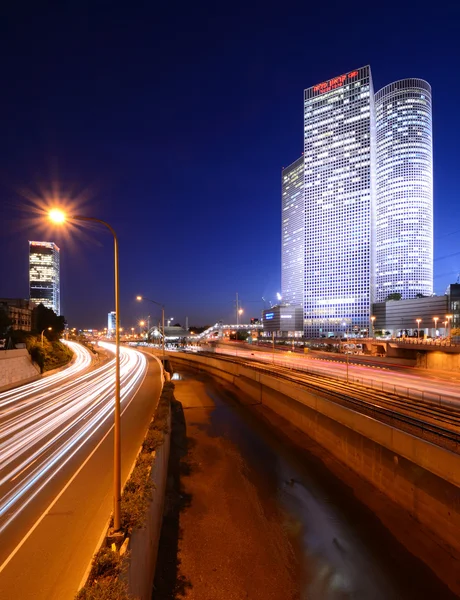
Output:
[[339, 155], [292, 233], [404, 177], [44, 284], [111, 323]]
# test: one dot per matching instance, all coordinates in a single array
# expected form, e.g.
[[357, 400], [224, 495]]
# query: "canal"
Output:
[[251, 514]]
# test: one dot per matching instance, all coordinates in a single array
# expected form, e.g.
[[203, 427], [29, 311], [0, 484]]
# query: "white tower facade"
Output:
[[339, 155], [404, 190], [292, 233], [44, 275]]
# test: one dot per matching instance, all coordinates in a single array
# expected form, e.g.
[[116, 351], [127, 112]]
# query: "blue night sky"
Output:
[[173, 124]]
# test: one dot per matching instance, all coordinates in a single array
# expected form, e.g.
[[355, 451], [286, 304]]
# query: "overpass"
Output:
[[218, 330]]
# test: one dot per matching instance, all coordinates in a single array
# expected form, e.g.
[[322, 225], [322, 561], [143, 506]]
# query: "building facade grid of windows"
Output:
[[111, 323], [292, 233], [404, 189], [339, 165], [44, 276]]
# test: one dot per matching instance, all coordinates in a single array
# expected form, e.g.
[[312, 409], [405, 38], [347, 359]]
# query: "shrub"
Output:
[[106, 563], [37, 354], [105, 589]]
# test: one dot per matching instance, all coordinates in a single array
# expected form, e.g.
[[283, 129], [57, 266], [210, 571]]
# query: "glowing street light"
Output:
[[46, 329], [59, 217], [373, 321], [418, 321], [449, 322], [140, 298], [435, 319]]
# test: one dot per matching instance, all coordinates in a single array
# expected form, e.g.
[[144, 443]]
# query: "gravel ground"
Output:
[[218, 542]]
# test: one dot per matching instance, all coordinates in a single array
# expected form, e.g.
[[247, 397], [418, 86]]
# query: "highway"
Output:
[[56, 446], [393, 379]]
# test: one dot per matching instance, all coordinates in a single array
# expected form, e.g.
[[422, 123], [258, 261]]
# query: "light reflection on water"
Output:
[[343, 552]]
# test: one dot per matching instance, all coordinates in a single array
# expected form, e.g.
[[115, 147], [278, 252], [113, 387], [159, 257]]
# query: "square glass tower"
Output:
[[292, 233], [44, 277], [339, 165]]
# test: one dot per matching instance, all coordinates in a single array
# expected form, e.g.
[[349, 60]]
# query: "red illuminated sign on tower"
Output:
[[334, 83]]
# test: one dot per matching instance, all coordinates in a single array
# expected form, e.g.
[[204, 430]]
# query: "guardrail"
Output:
[[422, 342]]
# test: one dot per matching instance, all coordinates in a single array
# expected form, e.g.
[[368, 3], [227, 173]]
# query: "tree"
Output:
[[240, 336], [393, 296], [196, 329], [419, 295], [43, 318]]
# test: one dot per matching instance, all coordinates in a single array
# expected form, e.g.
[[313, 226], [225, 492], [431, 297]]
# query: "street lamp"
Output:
[[449, 324], [46, 329], [372, 321], [140, 298], [141, 324], [57, 216], [435, 319], [418, 321]]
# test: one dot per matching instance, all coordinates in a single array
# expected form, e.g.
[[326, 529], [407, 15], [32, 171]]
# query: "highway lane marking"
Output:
[[106, 526], [24, 469], [64, 489]]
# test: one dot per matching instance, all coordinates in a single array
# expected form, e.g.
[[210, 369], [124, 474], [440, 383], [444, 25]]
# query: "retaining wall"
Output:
[[438, 360], [143, 544], [419, 476], [16, 367]]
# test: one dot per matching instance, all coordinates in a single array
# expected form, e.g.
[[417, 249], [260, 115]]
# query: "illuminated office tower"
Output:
[[339, 155], [404, 190], [111, 323], [292, 233], [44, 275]]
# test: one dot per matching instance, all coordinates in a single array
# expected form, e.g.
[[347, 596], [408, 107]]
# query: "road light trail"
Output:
[[433, 390], [81, 362], [41, 433]]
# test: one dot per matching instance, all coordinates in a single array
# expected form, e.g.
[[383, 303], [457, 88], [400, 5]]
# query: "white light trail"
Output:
[[40, 431]]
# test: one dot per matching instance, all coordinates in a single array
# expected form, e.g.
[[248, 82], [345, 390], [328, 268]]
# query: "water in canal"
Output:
[[341, 549]]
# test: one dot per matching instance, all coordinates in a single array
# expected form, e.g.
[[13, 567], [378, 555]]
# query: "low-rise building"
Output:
[[19, 311], [284, 320], [430, 315]]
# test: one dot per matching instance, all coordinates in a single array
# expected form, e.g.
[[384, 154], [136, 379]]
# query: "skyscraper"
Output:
[[292, 233], [339, 163], [111, 323], [44, 287], [404, 178]]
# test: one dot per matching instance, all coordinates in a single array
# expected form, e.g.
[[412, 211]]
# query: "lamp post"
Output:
[[59, 217], [141, 324], [140, 298], [435, 319], [46, 329], [449, 324], [418, 321], [372, 322], [445, 328]]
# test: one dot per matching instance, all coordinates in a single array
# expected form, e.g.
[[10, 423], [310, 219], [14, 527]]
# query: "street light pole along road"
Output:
[[140, 298], [59, 217]]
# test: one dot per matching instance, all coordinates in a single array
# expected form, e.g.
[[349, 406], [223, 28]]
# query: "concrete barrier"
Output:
[[16, 367], [143, 543], [419, 476]]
